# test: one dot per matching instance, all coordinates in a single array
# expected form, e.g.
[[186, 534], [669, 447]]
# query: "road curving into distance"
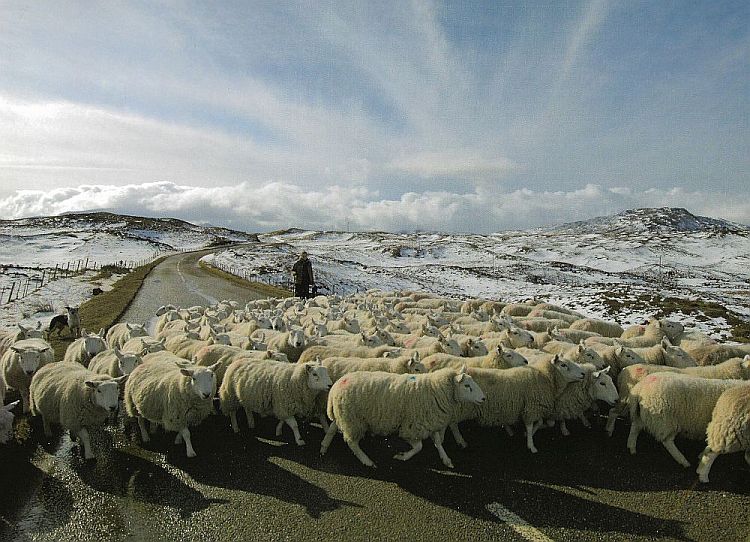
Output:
[[255, 486]]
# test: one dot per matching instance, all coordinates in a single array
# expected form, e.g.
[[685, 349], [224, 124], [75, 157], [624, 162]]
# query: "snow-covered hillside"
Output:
[[611, 267]]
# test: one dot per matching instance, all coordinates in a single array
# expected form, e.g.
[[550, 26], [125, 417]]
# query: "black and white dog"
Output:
[[71, 321]]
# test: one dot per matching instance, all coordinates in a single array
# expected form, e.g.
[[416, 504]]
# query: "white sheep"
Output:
[[513, 337], [339, 366], [669, 404], [602, 327], [9, 337], [122, 332], [75, 398], [616, 357], [414, 406], [729, 429], [292, 343], [114, 362], [86, 347], [222, 356], [657, 327], [284, 390], [665, 354], [6, 421], [733, 369], [164, 390], [144, 345], [578, 397], [499, 358], [526, 394], [21, 361], [580, 353], [353, 351]]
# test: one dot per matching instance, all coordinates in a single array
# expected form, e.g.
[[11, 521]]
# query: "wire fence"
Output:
[[30, 279]]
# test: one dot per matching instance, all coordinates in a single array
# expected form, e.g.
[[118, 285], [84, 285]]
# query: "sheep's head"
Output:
[[476, 348], [589, 355], [126, 362], [414, 365], [466, 390], [106, 393], [510, 358], [626, 356], [519, 337], [671, 328], [317, 376], [570, 370], [603, 389], [202, 380], [385, 337], [449, 346], [296, 338], [6, 421], [678, 357], [136, 330], [29, 358], [93, 344]]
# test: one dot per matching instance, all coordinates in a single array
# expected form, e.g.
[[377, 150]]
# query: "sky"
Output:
[[407, 115]]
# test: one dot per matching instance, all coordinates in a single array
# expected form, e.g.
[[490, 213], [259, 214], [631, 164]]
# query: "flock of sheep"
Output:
[[403, 363]]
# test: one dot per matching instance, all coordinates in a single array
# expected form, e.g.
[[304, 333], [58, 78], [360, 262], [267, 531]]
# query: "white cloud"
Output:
[[280, 205]]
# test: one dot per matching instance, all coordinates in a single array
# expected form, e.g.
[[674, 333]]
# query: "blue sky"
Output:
[[459, 116]]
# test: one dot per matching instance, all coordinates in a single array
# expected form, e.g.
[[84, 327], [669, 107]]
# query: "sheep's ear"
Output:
[[618, 350], [499, 348], [11, 406], [16, 349], [605, 370], [415, 357], [23, 329], [460, 376], [38, 324], [101, 332], [93, 384], [746, 362], [555, 330], [555, 360], [186, 372], [118, 353], [665, 342], [215, 367], [121, 379]]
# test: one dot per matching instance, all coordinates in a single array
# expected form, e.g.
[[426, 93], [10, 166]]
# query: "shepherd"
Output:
[[303, 276]]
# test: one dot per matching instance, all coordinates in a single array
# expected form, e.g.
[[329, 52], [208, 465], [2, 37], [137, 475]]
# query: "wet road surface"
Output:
[[255, 486]]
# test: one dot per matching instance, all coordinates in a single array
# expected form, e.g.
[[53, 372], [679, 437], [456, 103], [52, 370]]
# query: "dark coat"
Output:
[[303, 273]]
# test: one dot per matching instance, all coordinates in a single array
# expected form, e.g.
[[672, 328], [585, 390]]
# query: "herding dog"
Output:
[[71, 321]]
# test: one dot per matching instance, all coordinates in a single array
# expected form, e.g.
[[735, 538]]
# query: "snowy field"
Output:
[[611, 267], [606, 268]]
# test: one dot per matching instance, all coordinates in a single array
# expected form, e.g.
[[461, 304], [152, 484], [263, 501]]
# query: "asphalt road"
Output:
[[254, 486]]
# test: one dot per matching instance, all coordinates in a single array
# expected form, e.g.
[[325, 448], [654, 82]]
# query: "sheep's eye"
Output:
[[563, 365], [602, 384], [467, 386]]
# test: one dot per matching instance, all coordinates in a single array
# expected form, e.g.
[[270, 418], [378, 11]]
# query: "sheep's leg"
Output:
[[509, 430], [614, 412], [707, 459], [675, 453], [26, 402], [250, 418], [585, 421], [47, 428], [636, 427], [330, 433], [142, 427], [83, 434], [279, 426], [233, 421], [530, 437], [324, 422], [457, 436], [178, 438], [416, 446], [437, 438], [354, 447], [564, 429], [292, 422], [185, 432]]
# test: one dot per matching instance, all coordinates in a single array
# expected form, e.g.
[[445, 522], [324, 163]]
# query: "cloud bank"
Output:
[[277, 205]]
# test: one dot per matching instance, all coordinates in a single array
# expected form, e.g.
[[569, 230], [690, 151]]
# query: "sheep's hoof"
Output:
[[192, 454], [301, 442], [448, 464], [463, 445], [533, 450], [632, 451], [703, 479], [686, 464], [323, 450], [400, 457]]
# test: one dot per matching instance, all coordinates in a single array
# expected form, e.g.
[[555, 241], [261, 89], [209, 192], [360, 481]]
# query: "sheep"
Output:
[[185, 345], [75, 398], [733, 369], [553, 315], [579, 353], [164, 390], [144, 345], [602, 327], [517, 309], [578, 335], [711, 354], [578, 397], [525, 393], [86, 347], [669, 404], [617, 357], [120, 333], [414, 406], [353, 351], [669, 328], [729, 429], [21, 361], [339, 366], [23, 332], [285, 390], [114, 362], [221, 356], [665, 354], [513, 337], [499, 358], [539, 325], [292, 343], [6, 421]]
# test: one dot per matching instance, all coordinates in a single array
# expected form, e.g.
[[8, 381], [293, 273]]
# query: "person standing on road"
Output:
[[303, 276]]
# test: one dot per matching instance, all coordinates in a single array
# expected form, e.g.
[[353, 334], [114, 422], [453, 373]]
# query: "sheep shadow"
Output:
[[549, 489], [248, 462], [125, 475]]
